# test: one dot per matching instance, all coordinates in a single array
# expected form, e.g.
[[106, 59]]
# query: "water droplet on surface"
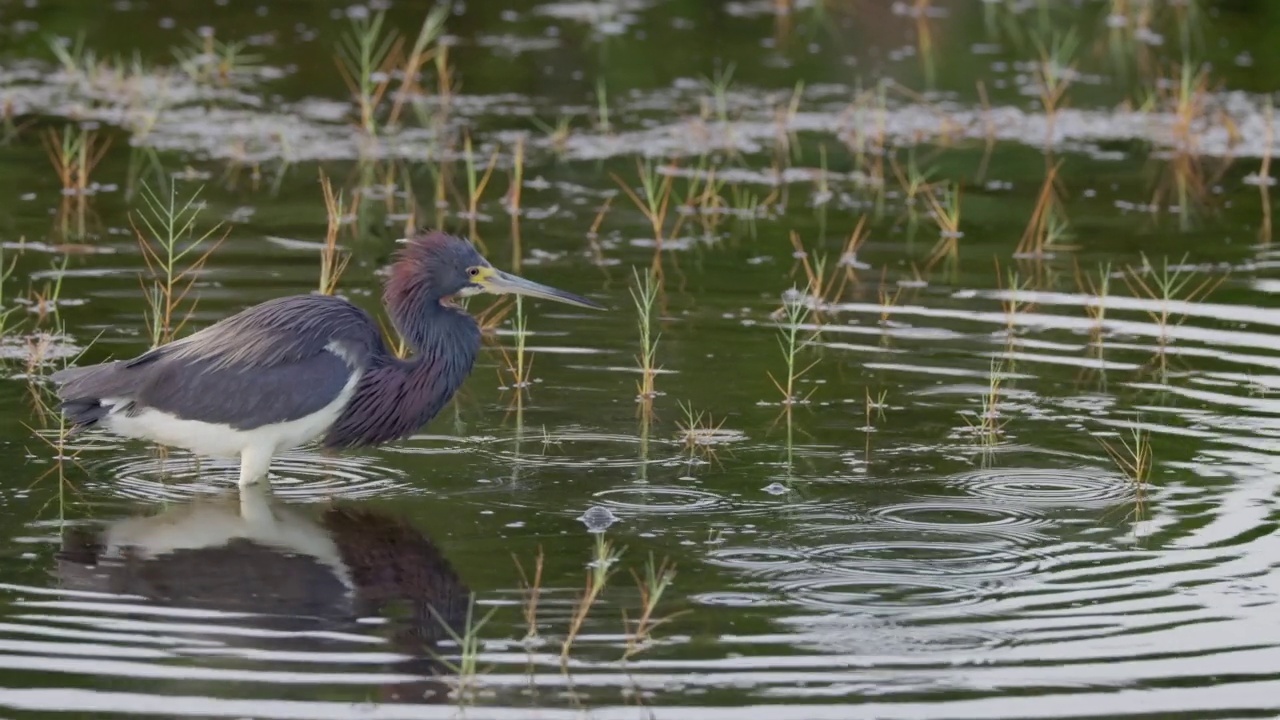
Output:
[[598, 518]]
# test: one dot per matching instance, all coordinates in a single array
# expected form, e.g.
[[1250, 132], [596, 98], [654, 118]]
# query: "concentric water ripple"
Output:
[[582, 449], [944, 515], [1083, 488], [301, 475], [656, 499]]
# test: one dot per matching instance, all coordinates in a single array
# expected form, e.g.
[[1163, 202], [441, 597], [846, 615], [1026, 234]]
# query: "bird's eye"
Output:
[[473, 272]]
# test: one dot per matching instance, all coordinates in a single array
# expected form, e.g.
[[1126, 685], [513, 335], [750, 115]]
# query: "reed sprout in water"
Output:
[[1169, 286], [655, 203], [532, 590], [1133, 457], [658, 577], [795, 313], [6, 273], [1097, 292], [988, 426], [333, 260], [718, 86], [467, 667], [518, 367], [174, 255], [1054, 75], [207, 60], [75, 152], [874, 405], [599, 570], [425, 49], [1048, 225], [1013, 302], [476, 184], [944, 206], [644, 294], [366, 56], [698, 431]]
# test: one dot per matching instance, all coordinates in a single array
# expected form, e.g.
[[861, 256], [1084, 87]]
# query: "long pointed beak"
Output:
[[500, 282]]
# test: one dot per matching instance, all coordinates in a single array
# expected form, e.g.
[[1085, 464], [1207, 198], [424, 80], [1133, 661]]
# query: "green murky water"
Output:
[[937, 531]]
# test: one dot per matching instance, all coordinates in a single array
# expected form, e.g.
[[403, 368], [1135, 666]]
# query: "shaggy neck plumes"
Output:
[[416, 309]]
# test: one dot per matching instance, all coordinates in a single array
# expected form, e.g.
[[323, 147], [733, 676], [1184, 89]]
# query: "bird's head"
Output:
[[447, 267]]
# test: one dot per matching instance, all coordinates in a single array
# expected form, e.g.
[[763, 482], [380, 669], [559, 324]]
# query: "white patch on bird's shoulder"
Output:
[[223, 441], [343, 352]]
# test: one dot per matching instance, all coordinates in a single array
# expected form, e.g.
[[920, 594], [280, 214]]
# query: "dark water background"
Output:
[[826, 569]]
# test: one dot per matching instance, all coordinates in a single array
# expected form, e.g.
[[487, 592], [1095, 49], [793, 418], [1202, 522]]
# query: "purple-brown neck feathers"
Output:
[[413, 291], [409, 281], [396, 397]]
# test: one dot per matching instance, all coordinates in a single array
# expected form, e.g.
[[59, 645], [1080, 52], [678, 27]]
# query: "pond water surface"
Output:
[[935, 528]]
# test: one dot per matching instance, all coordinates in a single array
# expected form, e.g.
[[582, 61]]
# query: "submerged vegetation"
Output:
[[1016, 260]]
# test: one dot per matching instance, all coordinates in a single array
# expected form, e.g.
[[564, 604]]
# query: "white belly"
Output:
[[223, 441]]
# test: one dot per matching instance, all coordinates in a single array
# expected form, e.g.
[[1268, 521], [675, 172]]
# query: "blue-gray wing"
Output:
[[278, 361]]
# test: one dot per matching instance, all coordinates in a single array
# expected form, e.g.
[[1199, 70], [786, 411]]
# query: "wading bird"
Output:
[[302, 368]]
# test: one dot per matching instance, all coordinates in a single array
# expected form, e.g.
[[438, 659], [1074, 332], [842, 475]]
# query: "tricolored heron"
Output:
[[297, 369]]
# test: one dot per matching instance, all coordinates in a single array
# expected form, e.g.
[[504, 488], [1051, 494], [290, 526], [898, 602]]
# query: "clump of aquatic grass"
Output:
[[476, 184], [333, 260], [557, 134], [1054, 72], [658, 576], [599, 570], [1012, 301], [1169, 286], [1186, 96], [1048, 225], [520, 366], [1132, 455], [76, 59], [922, 11], [206, 59], [791, 339], [849, 254], [1097, 290], [874, 405], [718, 86], [75, 152], [369, 58], [425, 49], [887, 301], [988, 426], [365, 59], [466, 669], [593, 233], [698, 431], [644, 293], [515, 189], [944, 206], [532, 591], [602, 105], [10, 128], [655, 204], [784, 116], [6, 272], [174, 255], [814, 268], [43, 301]]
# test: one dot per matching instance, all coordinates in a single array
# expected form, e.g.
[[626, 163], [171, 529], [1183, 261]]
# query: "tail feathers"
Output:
[[82, 390], [83, 412]]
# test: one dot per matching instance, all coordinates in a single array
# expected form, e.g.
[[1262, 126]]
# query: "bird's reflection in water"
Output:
[[303, 575]]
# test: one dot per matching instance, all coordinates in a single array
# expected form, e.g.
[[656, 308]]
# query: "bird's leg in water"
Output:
[[254, 463], [255, 504]]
